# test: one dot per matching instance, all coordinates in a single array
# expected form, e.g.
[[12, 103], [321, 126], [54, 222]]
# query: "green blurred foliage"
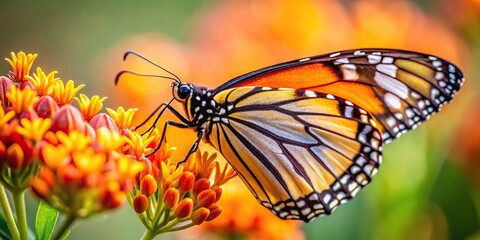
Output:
[[419, 192]]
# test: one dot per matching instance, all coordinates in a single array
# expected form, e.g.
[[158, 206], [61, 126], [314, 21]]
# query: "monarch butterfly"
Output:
[[306, 135]]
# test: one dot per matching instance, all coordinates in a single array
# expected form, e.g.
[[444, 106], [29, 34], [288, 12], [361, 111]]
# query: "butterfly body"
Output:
[[306, 135]]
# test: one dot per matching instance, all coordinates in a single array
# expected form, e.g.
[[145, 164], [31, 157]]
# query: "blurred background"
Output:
[[429, 184]]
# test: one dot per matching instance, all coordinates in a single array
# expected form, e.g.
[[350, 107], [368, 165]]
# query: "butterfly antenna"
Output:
[[119, 74], [151, 62]]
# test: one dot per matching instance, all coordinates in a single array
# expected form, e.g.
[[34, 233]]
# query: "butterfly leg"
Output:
[[164, 132], [193, 148], [183, 124]]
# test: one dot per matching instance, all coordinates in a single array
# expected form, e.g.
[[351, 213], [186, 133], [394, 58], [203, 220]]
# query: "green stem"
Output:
[[19, 201], [8, 214], [63, 231], [149, 234]]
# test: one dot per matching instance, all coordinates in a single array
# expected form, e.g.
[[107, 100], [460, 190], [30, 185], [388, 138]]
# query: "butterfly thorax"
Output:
[[199, 105]]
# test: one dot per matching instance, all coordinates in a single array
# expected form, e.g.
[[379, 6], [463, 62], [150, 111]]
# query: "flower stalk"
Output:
[[21, 213], [12, 226]]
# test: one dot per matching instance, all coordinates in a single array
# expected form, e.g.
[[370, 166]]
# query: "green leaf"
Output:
[[4, 232], [45, 221]]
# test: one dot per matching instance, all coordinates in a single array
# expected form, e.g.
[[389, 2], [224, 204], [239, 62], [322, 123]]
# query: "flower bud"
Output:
[[171, 197], [114, 199], [29, 114], [215, 211], [140, 203], [200, 215], [206, 198], [186, 181], [47, 175], [184, 208], [200, 185], [89, 131], [45, 107], [67, 118], [15, 156], [69, 175], [26, 84], [103, 120], [5, 84], [41, 188], [218, 192], [148, 185]]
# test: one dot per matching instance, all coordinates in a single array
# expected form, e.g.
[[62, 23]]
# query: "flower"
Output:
[[21, 64], [65, 93], [90, 107], [43, 83]]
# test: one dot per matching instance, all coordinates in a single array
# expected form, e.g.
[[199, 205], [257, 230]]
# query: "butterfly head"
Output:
[[181, 91]]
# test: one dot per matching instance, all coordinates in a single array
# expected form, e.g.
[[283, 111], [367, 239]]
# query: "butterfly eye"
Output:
[[183, 91]]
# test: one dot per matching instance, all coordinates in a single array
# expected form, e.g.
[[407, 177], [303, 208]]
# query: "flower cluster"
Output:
[[70, 157], [171, 196], [80, 170]]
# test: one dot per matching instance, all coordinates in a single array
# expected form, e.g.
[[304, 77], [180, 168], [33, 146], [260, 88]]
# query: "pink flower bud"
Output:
[[45, 107], [5, 84], [103, 120], [67, 118]]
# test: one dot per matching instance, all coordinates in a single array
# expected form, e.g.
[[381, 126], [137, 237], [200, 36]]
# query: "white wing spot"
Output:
[[392, 101], [310, 93], [342, 60], [358, 53], [387, 60], [388, 69], [374, 59], [439, 75], [349, 71], [304, 59], [436, 63], [334, 54], [391, 121], [392, 85]]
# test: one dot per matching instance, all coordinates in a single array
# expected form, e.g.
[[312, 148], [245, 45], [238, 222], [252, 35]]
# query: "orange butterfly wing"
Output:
[[400, 88]]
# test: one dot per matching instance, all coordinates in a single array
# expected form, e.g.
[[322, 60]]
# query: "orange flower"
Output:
[[65, 93], [90, 107], [42, 82], [21, 64]]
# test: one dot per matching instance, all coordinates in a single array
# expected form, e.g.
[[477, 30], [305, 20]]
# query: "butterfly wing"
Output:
[[400, 88], [301, 153]]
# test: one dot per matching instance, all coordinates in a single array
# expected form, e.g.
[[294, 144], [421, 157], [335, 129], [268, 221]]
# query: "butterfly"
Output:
[[306, 135]]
